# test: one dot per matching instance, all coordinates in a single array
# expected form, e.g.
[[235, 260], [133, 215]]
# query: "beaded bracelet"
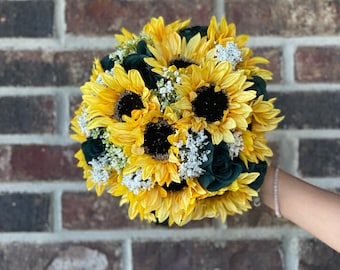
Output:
[[276, 193]]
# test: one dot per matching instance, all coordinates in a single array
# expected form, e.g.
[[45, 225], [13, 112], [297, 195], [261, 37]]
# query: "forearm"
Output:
[[313, 209]]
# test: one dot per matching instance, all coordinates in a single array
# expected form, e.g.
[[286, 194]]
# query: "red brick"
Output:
[[38, 68], [284, 18], [317, 64], [87, 211], [24, 212], [27, 114], [26, 18], [81, 255], [102, 17], [75, 100], [39, 162], [274, 55], [236, 255], [316, 255]]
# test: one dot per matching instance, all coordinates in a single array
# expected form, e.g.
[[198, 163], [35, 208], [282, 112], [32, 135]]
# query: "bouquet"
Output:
[[173, 122]]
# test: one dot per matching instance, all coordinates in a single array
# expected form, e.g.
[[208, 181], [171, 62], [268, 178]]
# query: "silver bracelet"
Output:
[[276, 193]]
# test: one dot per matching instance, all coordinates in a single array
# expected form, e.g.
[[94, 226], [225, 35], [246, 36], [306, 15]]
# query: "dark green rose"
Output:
[[261, 168], [107, 62], [190, 32], [92, 149], [220, 170], [260, 86], [136, 61]]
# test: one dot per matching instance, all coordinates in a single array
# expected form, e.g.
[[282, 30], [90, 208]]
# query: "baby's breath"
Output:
[[135, 183], [193, 155], [116, 157], [99, 171], [129, 47], [230, 53], [237, 146], [166, 91], [82, 122]]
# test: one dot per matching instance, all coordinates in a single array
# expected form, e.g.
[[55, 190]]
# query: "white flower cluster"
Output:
[[237, 146], [82, 122], [166, 91], [113, 159], [99, 172], [121, 52], [116, 157], [230, 53], [135, 183], [193, 155]]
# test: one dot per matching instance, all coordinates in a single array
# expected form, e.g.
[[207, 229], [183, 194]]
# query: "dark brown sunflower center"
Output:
[[210, 104], [175, 186], [127, 102], [181, 62], [156, 141]]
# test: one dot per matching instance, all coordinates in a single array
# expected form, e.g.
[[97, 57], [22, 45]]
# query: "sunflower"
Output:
[[173, 50], [115, 97], [156, 203], [79, 124], [157, 29], [231, 200], [213, 98], [264, 115], [224, 42]]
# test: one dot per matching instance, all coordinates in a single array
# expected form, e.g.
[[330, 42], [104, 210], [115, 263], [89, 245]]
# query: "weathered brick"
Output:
[[274, 55], [257, 217], [309, 110], [315, 255], [41, 68], [24, 212], [284, 18], [39, 162], [75, 100], [87, 211], [27, 114], [102, 17], [319, 158], [26, 18], [317, 64], [5, 160], [204, 255], [76, 256]]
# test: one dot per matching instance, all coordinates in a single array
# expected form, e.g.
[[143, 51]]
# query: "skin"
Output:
[[311, 208]]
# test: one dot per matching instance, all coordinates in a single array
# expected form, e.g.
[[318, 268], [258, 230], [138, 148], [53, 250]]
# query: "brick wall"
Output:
[[49, 221]]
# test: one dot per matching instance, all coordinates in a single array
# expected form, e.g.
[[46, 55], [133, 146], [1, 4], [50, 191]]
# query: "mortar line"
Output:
[[39, 187], [69, 42], [37, 139], [288, 67], [127, 255], [57, 211], [219, 10], [280, 134], [60, 21], [290, 252], [62, 113], [154, 234]]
